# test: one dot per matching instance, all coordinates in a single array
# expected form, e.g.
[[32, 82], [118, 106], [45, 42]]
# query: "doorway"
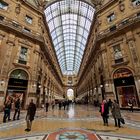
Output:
[[17, 86], [70, 94], [125, 87]]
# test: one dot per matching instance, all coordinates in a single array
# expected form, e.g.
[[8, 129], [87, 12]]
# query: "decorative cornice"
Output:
[[115, 40], [108, 4], [25, 42], [39, 9], [21, 65]]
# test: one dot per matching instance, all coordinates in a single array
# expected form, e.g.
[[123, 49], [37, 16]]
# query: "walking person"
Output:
[[116, 113], [67, 103], [31, 110], [60, 105], [53, 105], [7, 107], [130, 104], [110, 103], [17, 109], [64, 104], [104, 109], [10, 107], [47, 106]]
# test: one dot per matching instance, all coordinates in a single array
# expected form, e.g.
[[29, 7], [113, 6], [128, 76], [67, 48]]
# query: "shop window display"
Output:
[[125, 87]]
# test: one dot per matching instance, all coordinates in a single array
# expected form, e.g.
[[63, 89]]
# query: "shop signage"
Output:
[[121, 73]]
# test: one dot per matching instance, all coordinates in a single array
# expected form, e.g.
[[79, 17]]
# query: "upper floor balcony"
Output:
[[119, 26], [10, 24]]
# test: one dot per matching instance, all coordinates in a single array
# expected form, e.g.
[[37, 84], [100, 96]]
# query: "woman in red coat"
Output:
[[104, 109]]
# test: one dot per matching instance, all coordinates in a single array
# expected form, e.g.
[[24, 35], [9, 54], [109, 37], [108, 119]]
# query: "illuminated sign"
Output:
[[121, 73]]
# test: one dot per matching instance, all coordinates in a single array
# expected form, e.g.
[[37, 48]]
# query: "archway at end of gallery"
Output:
[[70, 94]]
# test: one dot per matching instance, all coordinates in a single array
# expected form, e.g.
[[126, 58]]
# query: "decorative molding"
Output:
[[22, 65], [31, 94], [109, 93], [121, 6], [129, 36], [114, 41], [2, 35], [1, 93], [11, 41], [120, 64], [18, 8], [25, 42]]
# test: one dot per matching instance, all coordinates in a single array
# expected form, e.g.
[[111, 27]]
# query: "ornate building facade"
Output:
[[25, 60], [113, 54]]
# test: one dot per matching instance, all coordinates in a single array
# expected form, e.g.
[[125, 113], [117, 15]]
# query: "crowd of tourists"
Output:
[[31, 110], [106, 108]]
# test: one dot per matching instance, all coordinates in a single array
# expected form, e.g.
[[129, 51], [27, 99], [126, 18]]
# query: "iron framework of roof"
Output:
[[69, 23]]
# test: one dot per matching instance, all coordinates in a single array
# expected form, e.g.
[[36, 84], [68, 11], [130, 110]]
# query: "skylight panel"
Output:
[[69, 24]]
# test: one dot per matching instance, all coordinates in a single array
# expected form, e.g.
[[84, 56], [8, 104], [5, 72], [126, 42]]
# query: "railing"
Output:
[[4, 21], [120, 25]]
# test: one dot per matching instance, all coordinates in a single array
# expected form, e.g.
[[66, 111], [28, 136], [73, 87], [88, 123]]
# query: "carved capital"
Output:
[[18, 8], [129, 36]]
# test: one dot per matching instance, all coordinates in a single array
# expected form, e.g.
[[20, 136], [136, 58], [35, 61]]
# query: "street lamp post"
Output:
[[102, 87], [38, 93], [102, 91], [2, 82]]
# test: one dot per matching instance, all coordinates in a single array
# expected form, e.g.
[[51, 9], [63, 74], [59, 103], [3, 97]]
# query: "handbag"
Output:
[[122, 120]]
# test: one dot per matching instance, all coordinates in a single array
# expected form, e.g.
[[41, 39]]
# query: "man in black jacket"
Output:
[[31, 110], [17, 109]]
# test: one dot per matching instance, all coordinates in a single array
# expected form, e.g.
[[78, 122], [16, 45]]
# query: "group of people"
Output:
[[31, 110], [114, 108], [65, 104], [7, 109], [105, 108]]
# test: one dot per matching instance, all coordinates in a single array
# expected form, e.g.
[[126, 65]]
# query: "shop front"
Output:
[[17, 86], [125, 88]]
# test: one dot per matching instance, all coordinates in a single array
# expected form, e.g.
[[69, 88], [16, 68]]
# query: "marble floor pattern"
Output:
[[72, 135], [75, 123]]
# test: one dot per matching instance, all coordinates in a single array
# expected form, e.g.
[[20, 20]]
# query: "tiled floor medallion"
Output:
[[72, 134]]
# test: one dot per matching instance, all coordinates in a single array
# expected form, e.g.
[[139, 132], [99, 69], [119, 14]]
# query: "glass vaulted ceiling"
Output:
[[69, 23]]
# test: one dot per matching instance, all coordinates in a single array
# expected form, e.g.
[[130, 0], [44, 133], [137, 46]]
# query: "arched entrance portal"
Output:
[[70, 94], [125, 87], [17, 86]]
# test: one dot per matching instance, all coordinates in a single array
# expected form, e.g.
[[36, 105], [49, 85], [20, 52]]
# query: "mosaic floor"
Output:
[[72, 134]]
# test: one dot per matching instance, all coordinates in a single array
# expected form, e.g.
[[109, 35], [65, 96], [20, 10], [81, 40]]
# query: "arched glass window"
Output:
[[19, 74]]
